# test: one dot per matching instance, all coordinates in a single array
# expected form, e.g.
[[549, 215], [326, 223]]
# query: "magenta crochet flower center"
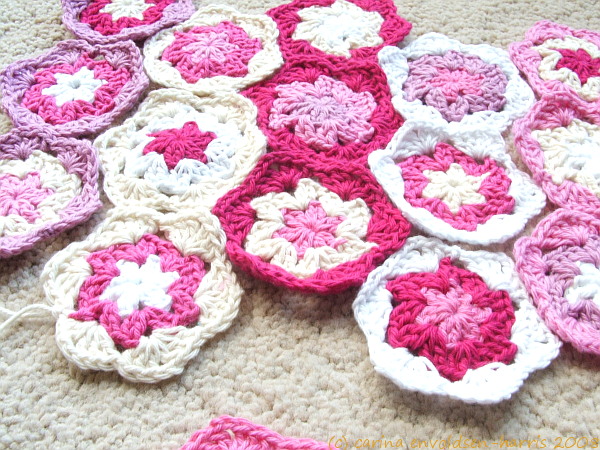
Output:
[[456, 84], [310, 228], [451, 318], [188, 142], [137, 288], [66, 92], [202, 52], [456, 188], [21, 196], [580, 62], [109, 17], [324, 114]]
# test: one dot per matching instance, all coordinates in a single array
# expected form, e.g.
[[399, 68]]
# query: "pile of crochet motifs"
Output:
[[301, 145]]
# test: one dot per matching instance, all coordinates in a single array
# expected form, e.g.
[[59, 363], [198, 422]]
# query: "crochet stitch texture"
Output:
[[559, 265], [217, 49], [309, 224], [74, 89], [555, 58], [443, 320], [143, 292], [47, 185], [108, 21]]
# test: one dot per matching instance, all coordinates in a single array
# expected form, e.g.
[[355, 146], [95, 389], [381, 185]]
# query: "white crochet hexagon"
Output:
[[394, 62], [261, 66], [491, 383], [420, 138]]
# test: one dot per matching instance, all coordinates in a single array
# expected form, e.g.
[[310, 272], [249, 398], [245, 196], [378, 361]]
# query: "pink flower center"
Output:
[[324, 114], [202, 52], [310, 228], [456, 83], [21, 196], [580, 62], [175, 144]]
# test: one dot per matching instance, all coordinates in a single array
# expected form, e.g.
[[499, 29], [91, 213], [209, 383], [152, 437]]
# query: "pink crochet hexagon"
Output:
[[75, 88], [359, 44], [556, 58], [560, 267], [107, 21], [47, 185], [343, 111], [559, 140], [310, 224]]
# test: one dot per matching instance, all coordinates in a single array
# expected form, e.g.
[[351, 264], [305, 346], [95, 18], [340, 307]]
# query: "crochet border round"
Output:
[[163, 353], [261, 65], [49, 170], [358, 225], [235, 432], [130, 176], [365, 89], [483, 148], [174, 13], [19, 77], [393, 29], [556, 263], [526, 56], [562, 183], [490, 383], [395, 63]]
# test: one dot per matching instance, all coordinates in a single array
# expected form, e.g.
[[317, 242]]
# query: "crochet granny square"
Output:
[[557, 58], [559, 140], [143, 292], [442, 320], [560, 267], [337, 30], [179, 149], [436, 77], [217, 49], [108, 21], [310, 224], [236, 433], [75, 88], [47, 185], [459, 185], [342, 111]]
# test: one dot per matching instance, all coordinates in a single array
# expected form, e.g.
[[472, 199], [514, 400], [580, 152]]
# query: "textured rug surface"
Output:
[[297, 364]]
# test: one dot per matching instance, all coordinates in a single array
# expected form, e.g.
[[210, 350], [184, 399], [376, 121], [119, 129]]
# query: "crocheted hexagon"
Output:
[[343, 111], [47, 185], [179, 149], [436, 77], [228, 432], [217, 49], [557, 58], [559, 140], [310, 224], [560, 267], [143, 292], [75, 88], [442, 320], [459, 185], [336, 30], [108, 21]]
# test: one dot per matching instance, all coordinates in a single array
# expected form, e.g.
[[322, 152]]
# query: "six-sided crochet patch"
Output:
[[440, 319], [560, 266], [310, 225], [75, 89], [47, 185], [557, 58], [143, 292], [457, 185], [179, 149]]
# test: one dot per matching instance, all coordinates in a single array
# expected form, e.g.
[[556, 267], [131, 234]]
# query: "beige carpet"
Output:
[[296, 364]]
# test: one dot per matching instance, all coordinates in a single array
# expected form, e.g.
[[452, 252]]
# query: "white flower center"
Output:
[[586, 286], [126, 8], [79, 86]]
